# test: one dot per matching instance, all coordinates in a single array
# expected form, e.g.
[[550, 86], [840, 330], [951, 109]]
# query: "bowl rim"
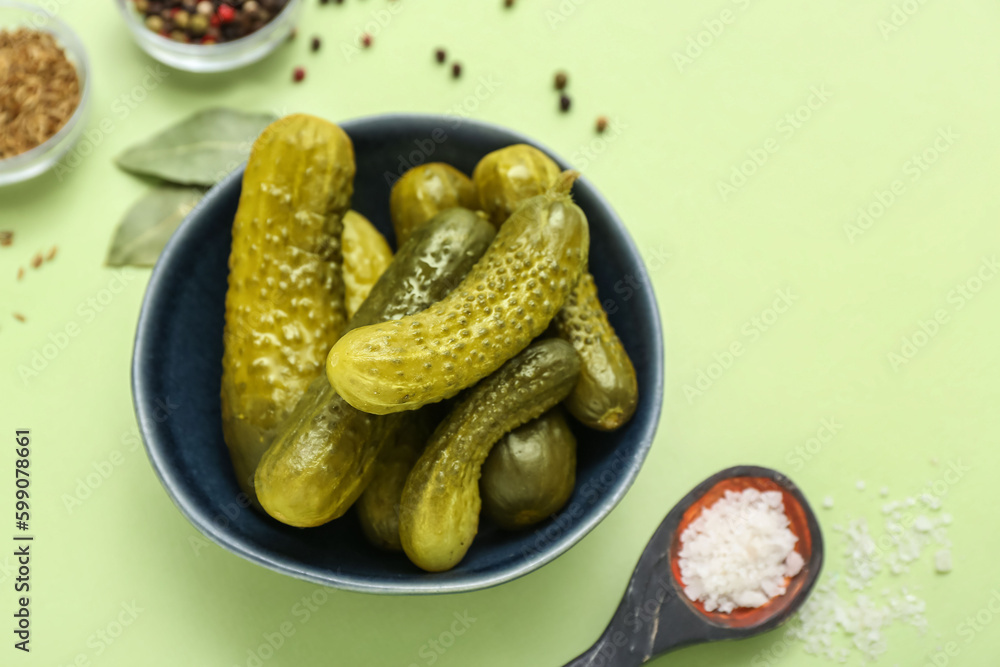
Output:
[[70, 41], [142, 393]]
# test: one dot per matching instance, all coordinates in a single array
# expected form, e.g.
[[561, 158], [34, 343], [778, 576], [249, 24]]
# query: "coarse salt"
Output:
[[739, 552]]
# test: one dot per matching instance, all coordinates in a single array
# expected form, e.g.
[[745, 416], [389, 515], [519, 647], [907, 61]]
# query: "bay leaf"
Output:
[[148, 225], [199, 150]]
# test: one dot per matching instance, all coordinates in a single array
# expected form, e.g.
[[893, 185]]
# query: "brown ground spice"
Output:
[[39, 89]]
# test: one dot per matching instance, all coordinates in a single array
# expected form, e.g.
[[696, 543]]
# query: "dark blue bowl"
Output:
[[176, 374]]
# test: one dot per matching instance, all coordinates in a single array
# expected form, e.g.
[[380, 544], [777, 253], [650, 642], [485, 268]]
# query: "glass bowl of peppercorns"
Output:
[[209, 35]]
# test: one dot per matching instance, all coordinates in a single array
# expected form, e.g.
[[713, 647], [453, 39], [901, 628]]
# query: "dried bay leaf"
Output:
[[199, 150], [148, 225]]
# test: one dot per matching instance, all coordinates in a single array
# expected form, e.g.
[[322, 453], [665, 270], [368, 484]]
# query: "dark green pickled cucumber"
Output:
[[529, 475], [378, 506], [285, 302], [507, 300], [439, 511], [323, 457], [607, 392]]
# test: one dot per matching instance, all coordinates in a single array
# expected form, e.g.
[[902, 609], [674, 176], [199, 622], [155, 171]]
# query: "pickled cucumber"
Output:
[[529, 475], [607, 393], [378, 506], [439, 510], [423, 192], [509, 176], [507, 299], [285, 302], [324, 456], [366, 256]]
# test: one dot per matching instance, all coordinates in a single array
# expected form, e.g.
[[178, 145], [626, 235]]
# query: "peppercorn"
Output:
[[225, 13], [198, 24], [508, 3], [154, 23], [456, 70], [205, 7], [315, 44], [141, 6], [250, 7], [179, 36], [182, 19], [564, 102], [366, 40], [602, 124], [561, 80], [298, 74], [440, 55]]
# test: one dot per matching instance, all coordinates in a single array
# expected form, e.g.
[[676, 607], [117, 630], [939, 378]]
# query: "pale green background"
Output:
[[683, 131]]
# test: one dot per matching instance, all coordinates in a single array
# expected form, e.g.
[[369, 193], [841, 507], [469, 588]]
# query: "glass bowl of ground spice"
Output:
[[209, 35], [44, 89]]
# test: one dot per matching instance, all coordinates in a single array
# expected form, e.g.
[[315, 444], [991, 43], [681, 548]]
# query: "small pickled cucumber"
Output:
[[285, 303], [439, 511], [325, 454], [509, 176], [607, 393], [378, 506], [529, 475], [423, 192], [366, 256], [507, 299]]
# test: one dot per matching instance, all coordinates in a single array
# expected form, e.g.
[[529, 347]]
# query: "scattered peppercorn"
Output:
[[440, 55], [602, 124], [564, 103], [316, 43], [6, 238], [298, 74], [36, 261], [19, 317], [366, 40], [508, 3], [456, 70], [561, 80], [323, 2]]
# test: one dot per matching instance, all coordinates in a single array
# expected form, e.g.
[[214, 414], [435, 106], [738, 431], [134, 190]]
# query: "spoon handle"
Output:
[[651, 618]]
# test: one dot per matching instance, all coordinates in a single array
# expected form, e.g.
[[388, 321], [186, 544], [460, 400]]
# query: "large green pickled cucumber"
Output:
[[439, 511], [607, 392], [285, 303], [378, 506], [423, 192], [507, 299], [323, 458], [507, 177], [529, 475]]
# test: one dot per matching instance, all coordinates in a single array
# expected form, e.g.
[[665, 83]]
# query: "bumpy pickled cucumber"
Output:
[[366, 256], [439, 511], [507, 177], [606, 395], [507, 299], [323, 458], [378, 506], [423, 192], [285, 304], [529, 475]]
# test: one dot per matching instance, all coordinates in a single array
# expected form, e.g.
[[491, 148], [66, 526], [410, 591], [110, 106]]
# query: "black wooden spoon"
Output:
[[655, 616]]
